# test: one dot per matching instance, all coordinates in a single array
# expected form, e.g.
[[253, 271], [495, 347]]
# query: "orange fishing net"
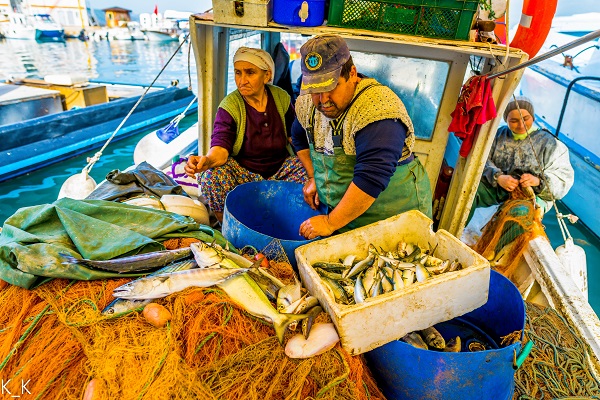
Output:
[[54, 341], [505, 237]]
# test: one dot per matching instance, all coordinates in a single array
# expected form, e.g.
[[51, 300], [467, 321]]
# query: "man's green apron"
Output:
[[408, 188]]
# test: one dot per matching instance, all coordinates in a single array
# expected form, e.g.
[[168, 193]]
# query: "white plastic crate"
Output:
[[254, 12], [382, 319]]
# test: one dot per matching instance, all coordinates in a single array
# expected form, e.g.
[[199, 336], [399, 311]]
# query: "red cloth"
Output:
[[156, 9], [474, 108]]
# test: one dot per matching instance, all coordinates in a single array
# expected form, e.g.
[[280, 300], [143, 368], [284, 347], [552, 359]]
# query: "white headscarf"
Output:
[[258, 57]]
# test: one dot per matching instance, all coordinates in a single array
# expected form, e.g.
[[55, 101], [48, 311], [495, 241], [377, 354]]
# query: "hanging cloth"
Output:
[[474, 108]]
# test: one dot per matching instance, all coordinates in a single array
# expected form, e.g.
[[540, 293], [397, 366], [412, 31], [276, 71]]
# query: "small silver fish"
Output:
[[414, 339], [433, 338], [289, 294]]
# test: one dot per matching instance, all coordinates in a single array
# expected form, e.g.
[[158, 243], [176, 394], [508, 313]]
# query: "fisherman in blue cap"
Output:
[[355, 140]]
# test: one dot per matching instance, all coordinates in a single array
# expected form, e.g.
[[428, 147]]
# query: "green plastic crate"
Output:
[[445, 19]]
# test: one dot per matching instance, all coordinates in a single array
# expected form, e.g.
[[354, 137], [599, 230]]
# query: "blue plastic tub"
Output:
[[299, 12], [406, 372], [258, 212]]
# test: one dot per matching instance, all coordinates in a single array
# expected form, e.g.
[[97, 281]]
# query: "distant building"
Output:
[[116, 16]]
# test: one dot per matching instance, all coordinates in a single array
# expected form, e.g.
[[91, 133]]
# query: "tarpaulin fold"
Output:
[[32, 238], [144, 179]]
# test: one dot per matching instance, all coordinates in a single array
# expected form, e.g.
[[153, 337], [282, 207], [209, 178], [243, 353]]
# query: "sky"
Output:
[[565, 7]]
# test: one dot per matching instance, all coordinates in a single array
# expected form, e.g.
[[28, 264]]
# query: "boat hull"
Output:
[[45, 34], [581, 115], [155, 36], [36, 143]]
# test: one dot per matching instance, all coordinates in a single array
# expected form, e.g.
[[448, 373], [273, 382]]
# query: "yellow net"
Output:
[[55, 340], [505, 237]]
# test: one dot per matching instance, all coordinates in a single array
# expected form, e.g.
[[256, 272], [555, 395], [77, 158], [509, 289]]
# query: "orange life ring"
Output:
[[500, 30], [536, 20]]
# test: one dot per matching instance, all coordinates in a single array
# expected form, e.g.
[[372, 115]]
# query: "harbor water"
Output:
[[138, 62]]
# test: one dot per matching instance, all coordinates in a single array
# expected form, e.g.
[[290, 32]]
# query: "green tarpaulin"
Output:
[[32, 238]]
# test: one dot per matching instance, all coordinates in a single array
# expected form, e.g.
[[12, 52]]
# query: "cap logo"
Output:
[[313, 61]]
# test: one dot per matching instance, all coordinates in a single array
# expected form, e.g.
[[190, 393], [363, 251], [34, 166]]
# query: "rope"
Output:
[[93, 160], [558, 366]]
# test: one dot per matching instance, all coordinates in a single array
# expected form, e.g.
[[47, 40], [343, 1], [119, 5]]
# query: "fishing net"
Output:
[[505, 236], [559, 365], [56, 340]]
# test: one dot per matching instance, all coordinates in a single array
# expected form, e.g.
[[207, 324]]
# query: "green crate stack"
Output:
[[445, 19]]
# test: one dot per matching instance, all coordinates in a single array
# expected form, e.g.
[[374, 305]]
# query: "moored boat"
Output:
[[32, 143], [35, 27]]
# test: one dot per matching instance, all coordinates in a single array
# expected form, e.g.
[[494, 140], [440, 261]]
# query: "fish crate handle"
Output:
[[520, 359]]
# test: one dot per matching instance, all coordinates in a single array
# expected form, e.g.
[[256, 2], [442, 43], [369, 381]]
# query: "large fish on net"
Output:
[[139, 262], [162, 285], [120, 306]]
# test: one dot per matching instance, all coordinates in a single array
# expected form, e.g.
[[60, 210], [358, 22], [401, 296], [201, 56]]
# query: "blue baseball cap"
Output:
[[322, 60]]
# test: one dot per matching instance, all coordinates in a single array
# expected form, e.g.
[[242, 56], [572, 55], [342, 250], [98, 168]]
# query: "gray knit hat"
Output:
[[524, 104]]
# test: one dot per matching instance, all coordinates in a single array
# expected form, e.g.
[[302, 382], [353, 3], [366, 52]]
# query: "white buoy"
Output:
[[185, 206], [157, 153], [78, 186], [573, 259]]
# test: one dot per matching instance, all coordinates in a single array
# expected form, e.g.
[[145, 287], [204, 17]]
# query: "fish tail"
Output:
[[283, 321], [69, 259]]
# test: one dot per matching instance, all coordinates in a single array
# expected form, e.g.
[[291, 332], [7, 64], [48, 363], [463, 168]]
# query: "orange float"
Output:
[[536, 20]]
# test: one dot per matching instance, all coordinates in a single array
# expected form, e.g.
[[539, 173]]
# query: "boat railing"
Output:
[[566, 99]]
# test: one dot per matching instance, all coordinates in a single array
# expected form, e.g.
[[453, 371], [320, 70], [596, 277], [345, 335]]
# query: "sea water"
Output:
[[126, 61]]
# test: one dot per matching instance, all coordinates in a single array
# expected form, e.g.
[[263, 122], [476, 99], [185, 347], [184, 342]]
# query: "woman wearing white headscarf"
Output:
[[250, 134]]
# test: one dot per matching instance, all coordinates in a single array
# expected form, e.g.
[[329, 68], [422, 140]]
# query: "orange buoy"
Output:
[[536, 20]]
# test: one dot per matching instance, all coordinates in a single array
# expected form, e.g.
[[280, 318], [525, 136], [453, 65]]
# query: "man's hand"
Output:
[[311, 197], [316, 226], [507, 182], [196, 164], [528, 180]]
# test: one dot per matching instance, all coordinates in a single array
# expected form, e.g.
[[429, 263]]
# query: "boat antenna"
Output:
[[96, 157]]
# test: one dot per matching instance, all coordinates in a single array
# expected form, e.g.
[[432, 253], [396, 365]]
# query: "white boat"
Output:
[[160, 36], [157, 152], [33, 27], [163, 28], [574, 107]]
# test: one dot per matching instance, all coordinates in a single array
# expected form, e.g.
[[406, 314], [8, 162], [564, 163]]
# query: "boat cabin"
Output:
[[427, 74]]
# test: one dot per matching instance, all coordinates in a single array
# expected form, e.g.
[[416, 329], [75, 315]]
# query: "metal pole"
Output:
[[558, 50]]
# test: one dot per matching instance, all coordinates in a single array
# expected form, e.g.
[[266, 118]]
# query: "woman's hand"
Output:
[[507, 182], [528, 180], [316, 226], [311, 197], [196, 164]]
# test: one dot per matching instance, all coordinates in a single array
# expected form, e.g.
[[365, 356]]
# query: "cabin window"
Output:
[[418, 82], [239, 38]]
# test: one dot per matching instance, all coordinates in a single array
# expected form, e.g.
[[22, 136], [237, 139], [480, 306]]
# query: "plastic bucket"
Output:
[[406, 372], [258, 212]]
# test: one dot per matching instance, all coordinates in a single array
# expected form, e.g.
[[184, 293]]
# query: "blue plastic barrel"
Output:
[[258, 212], [406, 372]]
